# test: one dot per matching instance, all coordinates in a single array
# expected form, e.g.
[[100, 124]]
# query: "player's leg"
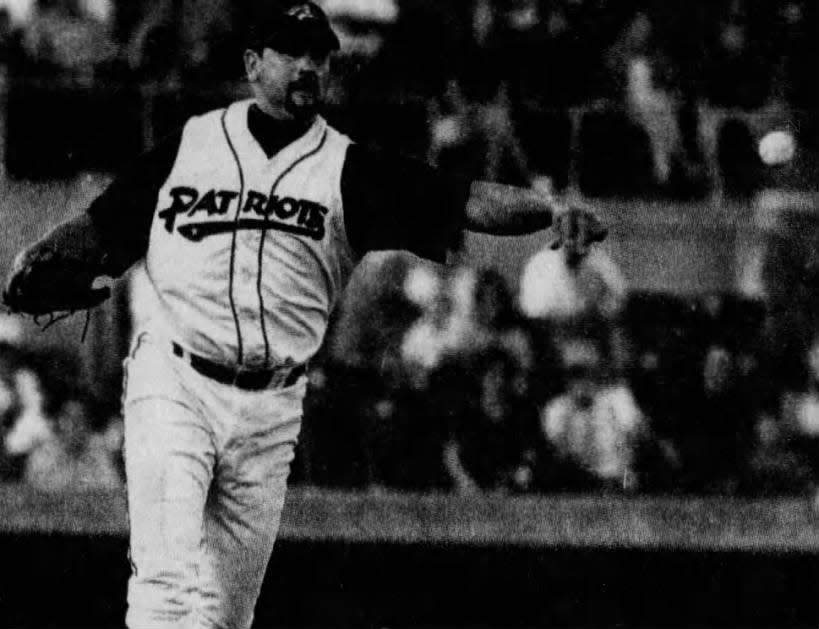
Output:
[[243, 512], [169, 458]]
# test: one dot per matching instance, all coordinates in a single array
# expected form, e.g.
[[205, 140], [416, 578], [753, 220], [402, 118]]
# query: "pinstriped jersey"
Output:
[[247, 253]]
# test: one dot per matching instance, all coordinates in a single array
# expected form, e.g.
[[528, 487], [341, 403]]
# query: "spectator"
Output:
[[663, 332], [360, 372], [8, 42], [472, 316], [185, 41], [477, 138], [405, 434], [491, 436], [153, 43], [73, 456], [455, 141], [738, 160], [799, 68], [715, 427], [644, 73], [432, 338], [57, 434], [800, 411], [61, 452], [30, 427], [592, 429], [739, 70], [777, 464], [498, 320], [564, 291], [10, 409], [473, 312], [565, 286], [64, 40], [790, 276], [470, 311], [20, 12], [208, 40], [403, 427]]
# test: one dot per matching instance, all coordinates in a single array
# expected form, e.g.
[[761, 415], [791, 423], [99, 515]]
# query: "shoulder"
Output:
[[211, 118], [368, 159], [334, 135], [197, 131], [232, 115]]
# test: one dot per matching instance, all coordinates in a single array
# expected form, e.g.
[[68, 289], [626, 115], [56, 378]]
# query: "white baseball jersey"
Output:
[[247, 254]]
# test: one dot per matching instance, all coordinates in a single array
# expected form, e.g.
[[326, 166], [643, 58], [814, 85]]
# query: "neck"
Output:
[[281, 115], [274, 133]]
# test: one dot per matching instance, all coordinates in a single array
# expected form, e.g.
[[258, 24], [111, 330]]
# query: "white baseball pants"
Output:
[[207, 468]]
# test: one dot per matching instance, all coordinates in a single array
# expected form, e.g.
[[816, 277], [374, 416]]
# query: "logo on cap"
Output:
[[303, 12]]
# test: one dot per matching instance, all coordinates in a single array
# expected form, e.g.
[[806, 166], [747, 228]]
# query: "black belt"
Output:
[[250, 380]]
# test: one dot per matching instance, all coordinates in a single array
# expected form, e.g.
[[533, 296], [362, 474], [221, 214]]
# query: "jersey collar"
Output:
[[250, 151]]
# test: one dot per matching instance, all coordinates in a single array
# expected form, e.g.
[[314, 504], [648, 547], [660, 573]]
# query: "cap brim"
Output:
[[297, 37]]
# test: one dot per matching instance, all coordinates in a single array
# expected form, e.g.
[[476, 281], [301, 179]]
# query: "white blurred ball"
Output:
[[777, 147]]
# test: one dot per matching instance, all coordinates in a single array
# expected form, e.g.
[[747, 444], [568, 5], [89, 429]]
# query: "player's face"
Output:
[[289, 86]]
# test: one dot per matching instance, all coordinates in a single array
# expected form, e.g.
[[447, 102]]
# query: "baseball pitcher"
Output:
[[249, 221]]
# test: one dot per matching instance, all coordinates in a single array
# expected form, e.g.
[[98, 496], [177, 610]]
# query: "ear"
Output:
[[252, 61]]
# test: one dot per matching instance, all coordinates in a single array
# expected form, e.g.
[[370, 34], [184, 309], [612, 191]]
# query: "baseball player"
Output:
[[249, 221]]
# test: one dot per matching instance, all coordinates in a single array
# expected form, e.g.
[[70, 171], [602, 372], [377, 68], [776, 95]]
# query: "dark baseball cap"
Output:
[[292, 27]]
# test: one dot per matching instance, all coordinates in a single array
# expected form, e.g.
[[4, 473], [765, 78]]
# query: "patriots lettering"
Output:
[[296, 216], [214, 202], [255, 203], [183, 198]]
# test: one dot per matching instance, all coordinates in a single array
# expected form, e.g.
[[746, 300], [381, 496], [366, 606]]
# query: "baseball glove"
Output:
[[47, 281]]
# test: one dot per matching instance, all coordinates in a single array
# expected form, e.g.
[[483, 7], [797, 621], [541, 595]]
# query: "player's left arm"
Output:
[[393, 202], [508, 211]]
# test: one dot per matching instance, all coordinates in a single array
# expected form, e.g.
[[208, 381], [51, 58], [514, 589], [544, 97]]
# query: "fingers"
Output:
[[571, 232], [576, 229]]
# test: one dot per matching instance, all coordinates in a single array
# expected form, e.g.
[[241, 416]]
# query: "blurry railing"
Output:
[[557, 521]]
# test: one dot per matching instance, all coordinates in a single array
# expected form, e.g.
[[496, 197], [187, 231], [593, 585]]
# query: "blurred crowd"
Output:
[[623, 98], [447, 378]]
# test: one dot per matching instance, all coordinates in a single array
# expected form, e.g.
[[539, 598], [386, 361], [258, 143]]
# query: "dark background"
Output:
[[77, 581]]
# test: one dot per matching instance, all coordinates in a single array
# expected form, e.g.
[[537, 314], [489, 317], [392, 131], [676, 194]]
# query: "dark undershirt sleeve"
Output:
[[123, 213], [394, 202]]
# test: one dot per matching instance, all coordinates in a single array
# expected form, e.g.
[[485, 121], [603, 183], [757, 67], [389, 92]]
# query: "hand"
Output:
[[576, 228]]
